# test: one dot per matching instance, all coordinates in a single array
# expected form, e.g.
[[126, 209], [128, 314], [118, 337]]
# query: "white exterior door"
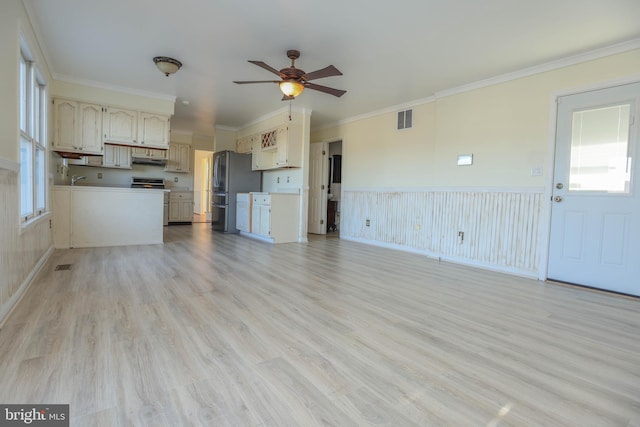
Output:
[[318, 179], [595, 217]]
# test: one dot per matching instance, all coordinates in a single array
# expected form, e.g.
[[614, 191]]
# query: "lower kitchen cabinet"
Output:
[[275, 217], [243, 212], [180, 206]]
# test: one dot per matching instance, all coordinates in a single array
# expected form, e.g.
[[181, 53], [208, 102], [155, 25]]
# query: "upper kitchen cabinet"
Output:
[[130, 127], [178, 160], [277, 148], [243, 145], [153, 130], [289, 146], [77, 127], [120, 126]]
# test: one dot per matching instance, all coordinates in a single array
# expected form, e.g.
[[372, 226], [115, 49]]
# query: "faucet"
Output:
[[76, 178]]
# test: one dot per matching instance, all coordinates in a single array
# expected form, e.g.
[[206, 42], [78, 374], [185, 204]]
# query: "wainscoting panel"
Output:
[[21, 252], [496, 229]]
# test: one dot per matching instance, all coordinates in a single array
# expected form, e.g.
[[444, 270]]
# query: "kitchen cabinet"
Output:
[[280, 147], [243, 145], [178, 158], [275, 217], [180, 206], [116, 156], [148, 153], [289, 146], [120, 126], [77, 127], [153, 130], [95, 161], [262, 156], [243, 212], [130, 127]]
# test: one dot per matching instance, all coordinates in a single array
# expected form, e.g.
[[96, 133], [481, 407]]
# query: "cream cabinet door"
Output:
[[90, 128], [117, 156], [121, 126], [77, 127], [178, 158], [65, 130], [153, 130]]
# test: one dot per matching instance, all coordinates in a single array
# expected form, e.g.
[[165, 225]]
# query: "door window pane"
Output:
[[600, 150]]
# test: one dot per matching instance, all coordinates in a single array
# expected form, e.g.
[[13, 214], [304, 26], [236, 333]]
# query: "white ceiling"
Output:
[[390, 52]]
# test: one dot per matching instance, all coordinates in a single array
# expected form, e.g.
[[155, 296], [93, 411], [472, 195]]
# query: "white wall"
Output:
[[507, 126]]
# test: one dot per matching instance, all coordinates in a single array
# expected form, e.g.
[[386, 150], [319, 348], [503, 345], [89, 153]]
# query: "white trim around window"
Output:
[[32, 109]]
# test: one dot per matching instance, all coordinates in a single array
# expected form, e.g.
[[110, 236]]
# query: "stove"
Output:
[[143, 182]]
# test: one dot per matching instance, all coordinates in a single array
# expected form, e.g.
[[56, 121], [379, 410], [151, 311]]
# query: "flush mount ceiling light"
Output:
[[291, 88], [167, 65]]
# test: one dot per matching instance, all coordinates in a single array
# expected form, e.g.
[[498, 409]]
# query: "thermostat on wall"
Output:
[[465, 159]]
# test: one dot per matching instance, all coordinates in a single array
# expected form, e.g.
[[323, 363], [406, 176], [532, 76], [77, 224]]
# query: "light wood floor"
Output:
[[220, 330]]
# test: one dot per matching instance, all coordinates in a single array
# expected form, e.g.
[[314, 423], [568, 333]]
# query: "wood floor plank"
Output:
[[216, 329]]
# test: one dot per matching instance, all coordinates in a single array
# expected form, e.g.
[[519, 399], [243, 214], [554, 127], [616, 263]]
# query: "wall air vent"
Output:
[[405, 119]]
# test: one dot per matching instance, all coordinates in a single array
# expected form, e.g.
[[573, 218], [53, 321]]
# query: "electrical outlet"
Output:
[[536, 171], [278, 180], [99, 175], [367, 223], [175, 179], [287, 180]]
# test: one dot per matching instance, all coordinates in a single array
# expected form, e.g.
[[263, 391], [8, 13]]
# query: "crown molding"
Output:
[[502, 78], [392, 109], [115, 88], [274, 114], [545, 67]]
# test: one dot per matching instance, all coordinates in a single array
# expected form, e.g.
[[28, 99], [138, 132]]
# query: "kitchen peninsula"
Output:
[[93, 216]]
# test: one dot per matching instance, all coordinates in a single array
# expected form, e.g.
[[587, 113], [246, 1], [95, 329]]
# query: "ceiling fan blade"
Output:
[[325, 72], [329, 90], [256, 81], [266, 67]]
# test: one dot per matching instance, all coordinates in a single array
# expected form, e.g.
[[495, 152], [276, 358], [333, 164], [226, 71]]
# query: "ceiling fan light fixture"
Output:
[[167, 65], [291, 88]]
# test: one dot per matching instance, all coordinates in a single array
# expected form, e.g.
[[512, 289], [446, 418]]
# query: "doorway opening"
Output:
[[334, 186], [325, 187], [202, 186]]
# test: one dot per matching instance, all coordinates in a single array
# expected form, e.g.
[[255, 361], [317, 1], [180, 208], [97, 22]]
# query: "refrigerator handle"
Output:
[[216, 172]]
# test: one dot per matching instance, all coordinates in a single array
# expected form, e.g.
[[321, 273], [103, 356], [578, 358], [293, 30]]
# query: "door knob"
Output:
[[558, 199], [559, 186]]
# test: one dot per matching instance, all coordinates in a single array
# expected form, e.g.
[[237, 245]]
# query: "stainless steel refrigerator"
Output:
[[232, 174]]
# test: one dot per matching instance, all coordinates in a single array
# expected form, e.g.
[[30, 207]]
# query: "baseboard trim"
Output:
[[456, 260], [6, 311]]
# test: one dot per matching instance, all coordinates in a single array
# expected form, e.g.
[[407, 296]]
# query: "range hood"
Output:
[[148, 161]]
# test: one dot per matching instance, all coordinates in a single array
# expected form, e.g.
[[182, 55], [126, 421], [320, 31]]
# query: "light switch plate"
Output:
[[465, 159]]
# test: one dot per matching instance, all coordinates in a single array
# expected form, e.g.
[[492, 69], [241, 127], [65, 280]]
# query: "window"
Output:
[[33, 182]]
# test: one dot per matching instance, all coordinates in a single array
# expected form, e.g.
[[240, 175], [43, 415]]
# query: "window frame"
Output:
[[32, 115]]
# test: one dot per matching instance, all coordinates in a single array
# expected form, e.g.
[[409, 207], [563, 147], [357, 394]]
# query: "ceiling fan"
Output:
[[294, 80]]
